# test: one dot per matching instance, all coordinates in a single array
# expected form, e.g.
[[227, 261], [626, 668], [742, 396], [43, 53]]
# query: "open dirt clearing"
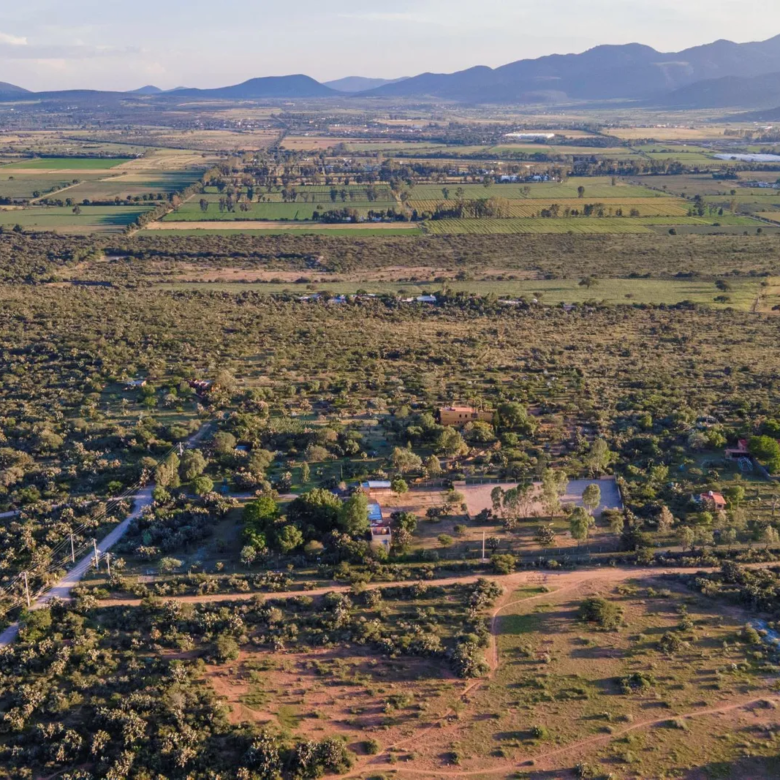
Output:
[[169, 160], [478, 497], [469, 718]]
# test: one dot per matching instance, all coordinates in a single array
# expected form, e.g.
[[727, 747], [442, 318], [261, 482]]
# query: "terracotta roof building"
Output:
[[460, 415]]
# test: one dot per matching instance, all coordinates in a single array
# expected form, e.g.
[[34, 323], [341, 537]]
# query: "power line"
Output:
[[130, 492]]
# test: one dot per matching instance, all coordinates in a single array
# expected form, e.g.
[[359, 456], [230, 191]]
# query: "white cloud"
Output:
[[12, 40]]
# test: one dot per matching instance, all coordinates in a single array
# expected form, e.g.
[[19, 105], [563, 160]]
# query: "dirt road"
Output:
[[554, 580]]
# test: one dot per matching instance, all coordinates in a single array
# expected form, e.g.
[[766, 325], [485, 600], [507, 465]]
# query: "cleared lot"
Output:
[[478, 496]]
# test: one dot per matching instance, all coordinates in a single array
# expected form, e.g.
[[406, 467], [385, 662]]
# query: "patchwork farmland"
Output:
[[92, 194]]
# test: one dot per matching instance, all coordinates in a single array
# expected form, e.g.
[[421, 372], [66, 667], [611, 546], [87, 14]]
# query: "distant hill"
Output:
[[12, 89], [762, 115], [717, 75], [270, 87], [147, 90], [729, 92], [359, 83], [632, 71]]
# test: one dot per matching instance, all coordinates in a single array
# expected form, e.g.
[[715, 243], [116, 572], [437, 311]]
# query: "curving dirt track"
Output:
[[559, 583], [546, 759], [555, 579]]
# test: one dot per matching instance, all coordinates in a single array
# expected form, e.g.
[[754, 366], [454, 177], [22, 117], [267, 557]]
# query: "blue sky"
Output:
[[118, 44]]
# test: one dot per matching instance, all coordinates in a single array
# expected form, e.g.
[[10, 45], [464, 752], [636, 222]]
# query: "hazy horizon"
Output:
[[96, 44]]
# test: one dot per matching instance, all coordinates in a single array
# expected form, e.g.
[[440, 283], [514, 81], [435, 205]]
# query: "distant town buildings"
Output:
[[531, 136]]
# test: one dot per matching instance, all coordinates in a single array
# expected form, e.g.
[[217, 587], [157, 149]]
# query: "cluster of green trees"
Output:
[[92, 708], [309, 520]]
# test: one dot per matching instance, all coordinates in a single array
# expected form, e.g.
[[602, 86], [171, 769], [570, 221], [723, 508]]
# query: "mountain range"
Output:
[[355, 84], [722, 74]]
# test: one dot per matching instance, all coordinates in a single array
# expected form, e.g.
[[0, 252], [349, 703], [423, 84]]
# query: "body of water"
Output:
[[750, 157]]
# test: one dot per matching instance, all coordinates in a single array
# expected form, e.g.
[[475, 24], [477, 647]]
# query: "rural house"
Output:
[[381, 531], [711, 500], [460, 415], [740, 451]]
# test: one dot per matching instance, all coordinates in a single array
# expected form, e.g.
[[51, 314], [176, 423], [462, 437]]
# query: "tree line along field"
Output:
[[133, 184], [644, 207], [59, 143], [192, 211], [594, 187], [313, 193]]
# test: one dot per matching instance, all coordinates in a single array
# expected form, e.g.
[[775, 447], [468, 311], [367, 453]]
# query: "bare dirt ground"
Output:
[[166, 160], [661, 133], [342, 691], [737, 715], [415, 746], [418, 275], [258, 225]]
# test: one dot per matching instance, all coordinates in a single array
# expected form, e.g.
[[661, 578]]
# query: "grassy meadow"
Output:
[[92, 219], [68, 163]]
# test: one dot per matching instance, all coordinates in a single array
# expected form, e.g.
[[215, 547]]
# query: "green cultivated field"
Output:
[[69, 163], [315, 193], [191, 211], [118, 188], [597, 187], [24, 187], [561, 150], [93, 219]]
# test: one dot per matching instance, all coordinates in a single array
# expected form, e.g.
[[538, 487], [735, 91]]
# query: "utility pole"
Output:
[[72, 550], [97, 554], [483, 547], [181, 449], [26, 589], [108, 563]]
